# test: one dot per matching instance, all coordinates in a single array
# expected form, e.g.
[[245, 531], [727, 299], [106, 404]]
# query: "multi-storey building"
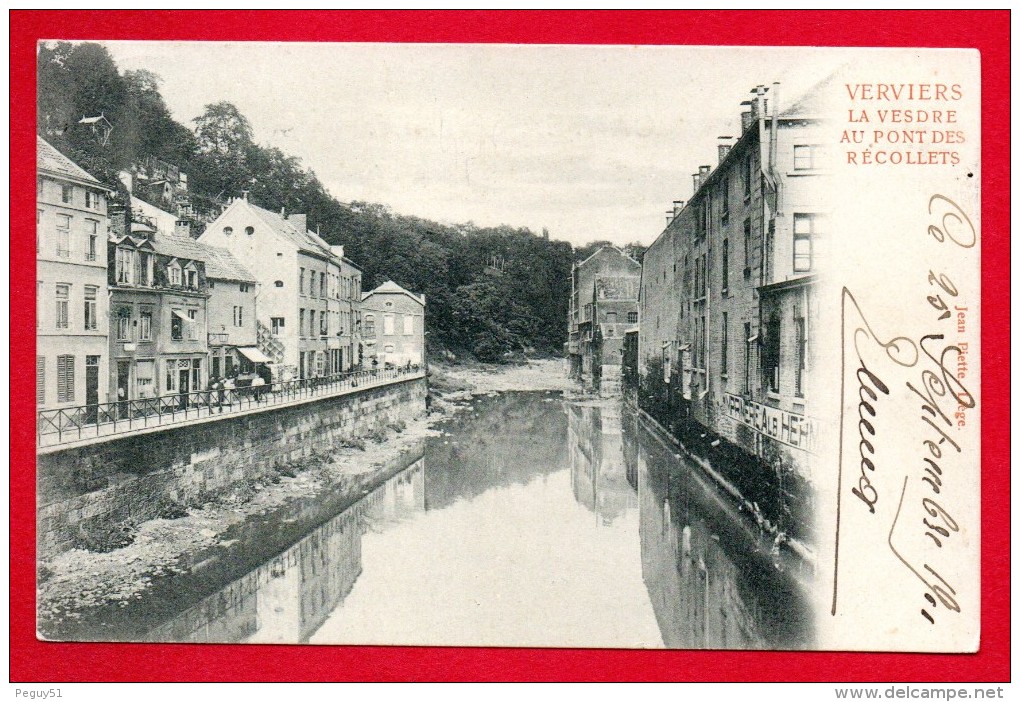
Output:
[[158, 307], [603, 303], [72, 316], [394, 325], [726, 302], [292, 266]]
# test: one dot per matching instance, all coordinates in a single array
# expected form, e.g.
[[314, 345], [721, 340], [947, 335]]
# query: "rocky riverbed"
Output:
[[79, 580]]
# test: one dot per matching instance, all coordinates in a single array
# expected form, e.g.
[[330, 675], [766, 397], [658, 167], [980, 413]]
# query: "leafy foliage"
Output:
[[519, 305]]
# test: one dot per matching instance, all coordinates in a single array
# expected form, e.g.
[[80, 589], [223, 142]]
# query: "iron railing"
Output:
[[69, 424]]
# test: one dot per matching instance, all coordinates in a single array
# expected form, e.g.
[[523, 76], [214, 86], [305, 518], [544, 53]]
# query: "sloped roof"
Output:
[[55, 163], [611, 248], [390, 287], [222, 265], [816, 101], [304, 240]]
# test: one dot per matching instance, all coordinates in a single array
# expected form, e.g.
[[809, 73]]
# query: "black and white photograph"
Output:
[[505, 345]]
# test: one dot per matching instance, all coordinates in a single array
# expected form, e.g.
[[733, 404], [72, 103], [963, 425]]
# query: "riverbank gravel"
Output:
[[77, 580]]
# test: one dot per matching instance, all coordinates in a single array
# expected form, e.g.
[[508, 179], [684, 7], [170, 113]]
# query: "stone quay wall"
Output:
[[129, 479]]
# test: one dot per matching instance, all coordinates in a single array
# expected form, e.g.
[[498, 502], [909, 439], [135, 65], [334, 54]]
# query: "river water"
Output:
[[531, 521]]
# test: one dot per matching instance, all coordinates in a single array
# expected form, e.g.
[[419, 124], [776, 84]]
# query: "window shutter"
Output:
[[40, 380], [61, 378], [65, 378]]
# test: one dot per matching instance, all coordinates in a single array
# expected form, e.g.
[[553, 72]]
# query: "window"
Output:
[[175, 273], [388, 325], [724, 356], [704, 343], [193, 279], [311, 322], [145, 324], [227, 231], [704, 275], [301, 323], [322, 285], [92, 238], [238, 316], [124, 324], [63, 235], [91, 200], [320, 364], [301, 282], [176, 326], [369, 325], [63, 297], [39, 188], [808, 157], [250, 231], [632, 317], [724, 205], [801, 355], [40, 380], [122, 262], [747, 357], [747, 177], [91, 311], [747, 243], [409, 325], [278, 284], [245, 287], [770, 354], [65, 378], [66, 193], [610, 317], [323, 325], [192, 323], [725, 265], [805, 228], [276, 324]]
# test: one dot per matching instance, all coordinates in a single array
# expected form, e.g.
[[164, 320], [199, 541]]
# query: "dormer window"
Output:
[[174, 270], [227, 231], [250, 231], [191, 275]]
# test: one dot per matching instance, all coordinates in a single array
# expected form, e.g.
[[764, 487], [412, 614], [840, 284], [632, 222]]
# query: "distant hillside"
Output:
[[490, 290]]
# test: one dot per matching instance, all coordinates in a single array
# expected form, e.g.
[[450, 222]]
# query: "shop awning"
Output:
[[254, 355]]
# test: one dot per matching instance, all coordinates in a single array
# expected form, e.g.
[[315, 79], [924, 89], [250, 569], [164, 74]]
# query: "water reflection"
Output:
[[598, 472], [713, 580], [532, 522]]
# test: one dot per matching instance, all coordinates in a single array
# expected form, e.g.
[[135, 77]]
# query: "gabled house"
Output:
[[309, 296], [393, 330]]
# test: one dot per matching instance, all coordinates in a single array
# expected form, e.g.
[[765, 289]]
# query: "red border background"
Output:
[[988, 31]]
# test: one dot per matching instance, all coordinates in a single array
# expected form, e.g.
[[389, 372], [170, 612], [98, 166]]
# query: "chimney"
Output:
[[677, 206], [697, 181], [182, 228], [670, 216], [299, 221], [746, 120], [337, 250], [244, 195], [704, 170], [724, 147]]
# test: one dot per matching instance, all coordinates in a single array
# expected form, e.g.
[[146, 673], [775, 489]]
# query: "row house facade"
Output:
[[727, 300], [181, 312], [72, 321], [603, 304], [310, 295], [394, 326]]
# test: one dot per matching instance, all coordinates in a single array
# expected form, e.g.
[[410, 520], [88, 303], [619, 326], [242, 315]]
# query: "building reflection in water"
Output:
[[712, 579], [598, 473], [286, 599]]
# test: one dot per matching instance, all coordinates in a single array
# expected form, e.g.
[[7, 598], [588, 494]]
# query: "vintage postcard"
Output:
[[508, 345]]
